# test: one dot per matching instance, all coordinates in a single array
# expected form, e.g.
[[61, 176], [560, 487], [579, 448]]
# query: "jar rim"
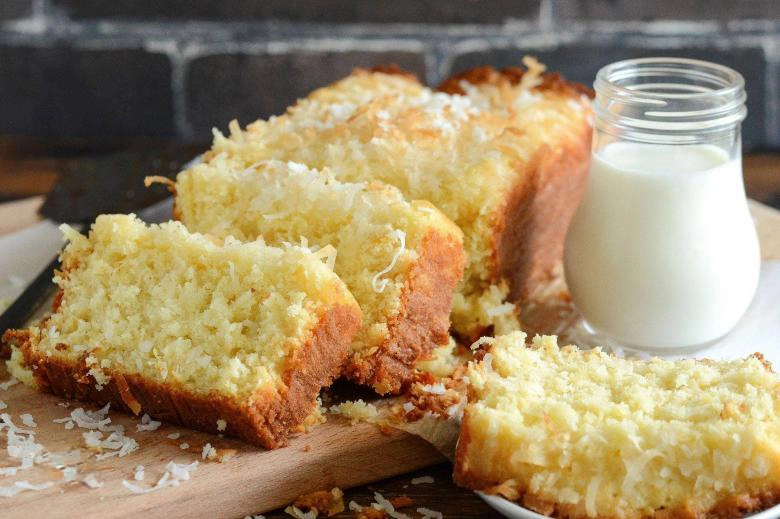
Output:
[[667, 95], [733, 80]]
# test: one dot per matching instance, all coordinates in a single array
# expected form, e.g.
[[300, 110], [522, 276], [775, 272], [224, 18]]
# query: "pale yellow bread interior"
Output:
[[580, 434], [459, 152], [187, 310], [373, 236]]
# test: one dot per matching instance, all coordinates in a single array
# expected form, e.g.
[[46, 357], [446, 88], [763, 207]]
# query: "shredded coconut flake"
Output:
[[208, 452], [422, 479], [387, 507], [184, 446], [379, 285], [3, 405], [482, 341], [328, 253], [91, 481], [300, 514], [174, 435], [435, 389], [27, 419], [139, 473], [221, 425], [8, 383], [21, 486], [69, 473], [147, 424], [174, 474], [427, 513]]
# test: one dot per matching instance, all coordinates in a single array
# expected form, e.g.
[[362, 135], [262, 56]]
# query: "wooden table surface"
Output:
[[28, 169]]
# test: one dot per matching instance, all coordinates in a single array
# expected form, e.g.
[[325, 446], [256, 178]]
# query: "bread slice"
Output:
[[401, 260], [508, 168], [190, 330], [582, 434]]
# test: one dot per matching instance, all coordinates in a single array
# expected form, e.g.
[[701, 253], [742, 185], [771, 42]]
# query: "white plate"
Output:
[[758, 331], [513, 511]]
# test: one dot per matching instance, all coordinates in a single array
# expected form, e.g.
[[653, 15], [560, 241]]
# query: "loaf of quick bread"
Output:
[[504, 157], [190, 329], [582, 434], [401, 260]]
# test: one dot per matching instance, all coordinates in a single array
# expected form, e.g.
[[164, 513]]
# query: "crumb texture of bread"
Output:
[[157, 309], [380, 246], [582, 434], [491, 158]]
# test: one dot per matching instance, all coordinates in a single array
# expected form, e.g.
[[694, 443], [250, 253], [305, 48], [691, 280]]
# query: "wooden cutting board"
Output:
[[252, 481]]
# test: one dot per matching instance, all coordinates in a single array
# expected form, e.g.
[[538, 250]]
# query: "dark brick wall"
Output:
[[337, 11], [221, 87], [127, 68]]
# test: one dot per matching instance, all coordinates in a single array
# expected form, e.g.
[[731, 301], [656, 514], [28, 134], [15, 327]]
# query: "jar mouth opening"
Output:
[[669, 94], [701, 79]]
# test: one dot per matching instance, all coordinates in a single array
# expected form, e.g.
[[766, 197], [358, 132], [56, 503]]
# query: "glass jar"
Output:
[[662, 254]]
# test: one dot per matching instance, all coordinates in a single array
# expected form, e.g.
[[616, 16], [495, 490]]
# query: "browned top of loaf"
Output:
[[266, 420], [550, 81], [394, 69]]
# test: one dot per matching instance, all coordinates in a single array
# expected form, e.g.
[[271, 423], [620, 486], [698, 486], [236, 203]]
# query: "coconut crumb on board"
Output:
[[174, 435], [69, 473], [208, 452], [221, 425], [8, 383], [174, 474], [91, 481], [21, 486], [382, 508], [184, 446], [139, 473], [225, 454], [327, 502], [427, 513], [21, 446], [401, 501], [422, 479], [147, 424], [297, 513], [257, 516], [28, 420]]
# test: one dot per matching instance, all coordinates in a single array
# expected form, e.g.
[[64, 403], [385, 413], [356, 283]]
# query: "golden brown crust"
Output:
[[530, 230], [732, 507], [394, 70], [550, 81], [423, 321], [266, 419]]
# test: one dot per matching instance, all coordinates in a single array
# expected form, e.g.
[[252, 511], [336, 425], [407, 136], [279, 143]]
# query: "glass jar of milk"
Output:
[[662, 254]]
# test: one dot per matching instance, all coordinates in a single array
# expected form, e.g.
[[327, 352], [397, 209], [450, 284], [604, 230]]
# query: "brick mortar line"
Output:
[[47, 22]]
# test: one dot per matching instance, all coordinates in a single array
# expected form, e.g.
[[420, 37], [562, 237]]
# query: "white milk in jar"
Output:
[[662, 253]]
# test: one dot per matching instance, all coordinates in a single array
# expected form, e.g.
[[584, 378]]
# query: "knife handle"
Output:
[[36, 293]]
